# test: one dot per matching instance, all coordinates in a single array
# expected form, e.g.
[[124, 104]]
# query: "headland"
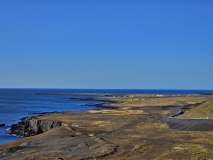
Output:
[[127, 127]]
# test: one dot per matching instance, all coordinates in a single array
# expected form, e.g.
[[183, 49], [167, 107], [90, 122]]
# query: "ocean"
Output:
[[18, 103]]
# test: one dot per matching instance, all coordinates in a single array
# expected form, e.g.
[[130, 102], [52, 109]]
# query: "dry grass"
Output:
[[152, 100], [201, 111], [118, 112], [137, 133]]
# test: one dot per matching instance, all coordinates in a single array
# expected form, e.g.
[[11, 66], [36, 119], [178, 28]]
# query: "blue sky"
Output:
[[152, 44]]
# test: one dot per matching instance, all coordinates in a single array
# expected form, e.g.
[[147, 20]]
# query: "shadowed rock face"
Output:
[[2, 125], [32, 126]]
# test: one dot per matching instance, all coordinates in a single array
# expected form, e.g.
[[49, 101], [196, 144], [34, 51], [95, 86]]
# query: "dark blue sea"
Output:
[[18, 103]]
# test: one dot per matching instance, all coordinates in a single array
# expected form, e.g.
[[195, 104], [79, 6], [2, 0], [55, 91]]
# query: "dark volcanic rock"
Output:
[[95, 99], [2, 125], [32, 126], [207, 93]]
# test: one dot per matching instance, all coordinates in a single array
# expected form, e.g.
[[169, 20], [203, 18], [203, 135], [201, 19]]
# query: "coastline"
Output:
[[27, 127], [124, 131], [31, 95]]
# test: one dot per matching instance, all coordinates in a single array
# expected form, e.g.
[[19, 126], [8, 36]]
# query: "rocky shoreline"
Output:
[[47, 130], [134, 128], [31, 126]]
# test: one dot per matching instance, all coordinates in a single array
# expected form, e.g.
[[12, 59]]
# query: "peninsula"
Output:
[[127, 127]]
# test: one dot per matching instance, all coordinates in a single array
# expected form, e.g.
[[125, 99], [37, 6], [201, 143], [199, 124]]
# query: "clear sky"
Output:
[[137, 44]]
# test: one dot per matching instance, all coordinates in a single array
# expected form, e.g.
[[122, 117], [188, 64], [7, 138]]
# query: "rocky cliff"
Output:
[[30, 126]]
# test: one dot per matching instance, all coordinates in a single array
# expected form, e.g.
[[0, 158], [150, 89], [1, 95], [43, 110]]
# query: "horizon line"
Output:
[[100, 88]]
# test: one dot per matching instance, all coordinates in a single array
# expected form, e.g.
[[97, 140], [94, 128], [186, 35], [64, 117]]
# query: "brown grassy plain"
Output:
[[133, 131]]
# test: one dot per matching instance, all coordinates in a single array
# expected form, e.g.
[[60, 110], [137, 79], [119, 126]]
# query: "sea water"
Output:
[[18, 103]]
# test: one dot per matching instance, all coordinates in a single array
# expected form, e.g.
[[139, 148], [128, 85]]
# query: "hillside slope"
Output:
[[203, 110]]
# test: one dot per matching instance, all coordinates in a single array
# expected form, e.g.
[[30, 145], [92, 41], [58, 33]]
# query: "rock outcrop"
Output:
[[31, 126], [2, 125]]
